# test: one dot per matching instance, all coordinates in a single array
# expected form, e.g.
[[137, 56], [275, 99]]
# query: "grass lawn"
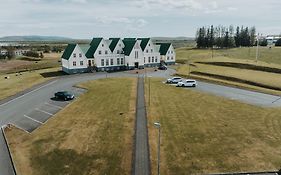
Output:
[[269, 58], [19, 83], [202, 133], [93, 135]]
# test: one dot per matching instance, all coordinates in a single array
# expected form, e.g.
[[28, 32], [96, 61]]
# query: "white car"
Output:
[[174, 80], [187, 83]]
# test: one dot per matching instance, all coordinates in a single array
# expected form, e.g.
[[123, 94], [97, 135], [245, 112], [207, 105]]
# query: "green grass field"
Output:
[[15, 84], [269, 58], [203, 133], [93, 135]]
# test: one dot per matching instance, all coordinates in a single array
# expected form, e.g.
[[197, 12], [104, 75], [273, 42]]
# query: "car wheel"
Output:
[[182, 85], [193, 85]]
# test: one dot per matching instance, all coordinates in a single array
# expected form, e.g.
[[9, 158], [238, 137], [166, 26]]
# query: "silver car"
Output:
[[174, 80], [187, 83]]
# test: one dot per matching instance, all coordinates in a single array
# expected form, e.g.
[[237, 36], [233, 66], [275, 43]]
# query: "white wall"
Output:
[[151, 54], [131, 59], [83, 58], [171, 55]]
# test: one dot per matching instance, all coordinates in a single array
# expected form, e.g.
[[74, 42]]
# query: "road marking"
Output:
[[40, 110], [54, 105], [20, 127], [28, 93], [33, 119]]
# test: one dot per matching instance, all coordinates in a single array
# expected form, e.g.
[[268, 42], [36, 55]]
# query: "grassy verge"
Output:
[[202, 133], [257, 80], [17, 83], [93, 135]]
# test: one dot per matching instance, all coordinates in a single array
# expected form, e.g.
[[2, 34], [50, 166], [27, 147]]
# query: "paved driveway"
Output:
[[34, 108]]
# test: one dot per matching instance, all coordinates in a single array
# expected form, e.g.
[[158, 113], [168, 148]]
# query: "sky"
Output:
[[84, 19]]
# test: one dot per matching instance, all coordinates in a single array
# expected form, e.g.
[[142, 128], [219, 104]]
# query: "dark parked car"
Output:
[[64, 95], [162, 67]]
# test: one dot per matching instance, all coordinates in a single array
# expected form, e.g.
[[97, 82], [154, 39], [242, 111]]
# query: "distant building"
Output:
[[116, 54], [17, 52], [272, 39]]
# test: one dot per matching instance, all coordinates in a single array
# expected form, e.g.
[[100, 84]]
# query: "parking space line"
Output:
[[19, 127], [40, 110], [54, 105], [32, 119]]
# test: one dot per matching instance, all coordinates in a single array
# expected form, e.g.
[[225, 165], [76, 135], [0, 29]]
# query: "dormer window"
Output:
[[74, 55]]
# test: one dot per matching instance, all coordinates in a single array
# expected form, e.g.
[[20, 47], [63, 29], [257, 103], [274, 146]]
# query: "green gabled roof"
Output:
[[93, 47], [144, 42], [113, 43], [129, 39], [129, 45], [164, 47], [68, 51]]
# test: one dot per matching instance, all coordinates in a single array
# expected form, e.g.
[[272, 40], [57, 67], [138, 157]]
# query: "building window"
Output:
[[118, 51], [172, 52], [107, 62], [74, 55], [146, 50], [144, 59], [102, 62], [106, 52], [118, 61], [111, 61], [136, 54], [172, 58], [152, 59], [93, 62], [122, 61], [81, 63], [149, 45], [119, 45], [155, 59], [99, 52], [80, 55], [149, 59], [168, 58], [102, 45], [151, 50], [74, 63]]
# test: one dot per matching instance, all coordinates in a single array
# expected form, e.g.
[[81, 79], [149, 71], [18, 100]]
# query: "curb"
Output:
[[6, 142]]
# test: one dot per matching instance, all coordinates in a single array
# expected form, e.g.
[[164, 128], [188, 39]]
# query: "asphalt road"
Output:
[[22, 110]]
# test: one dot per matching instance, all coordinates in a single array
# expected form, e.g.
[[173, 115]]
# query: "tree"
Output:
[[237, 37], [263, 42], [278, 43]]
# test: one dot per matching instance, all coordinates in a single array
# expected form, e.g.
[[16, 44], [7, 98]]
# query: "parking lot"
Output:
[[31, 120]]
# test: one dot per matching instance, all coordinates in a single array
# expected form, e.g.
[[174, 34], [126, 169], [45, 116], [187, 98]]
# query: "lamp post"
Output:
[[157, 125], [257, 51]]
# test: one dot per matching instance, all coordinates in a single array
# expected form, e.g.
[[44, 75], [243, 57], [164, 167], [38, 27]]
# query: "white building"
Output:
[[116, 54]]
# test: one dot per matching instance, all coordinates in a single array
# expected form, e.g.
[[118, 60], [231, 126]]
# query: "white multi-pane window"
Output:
[[122, 61], [102, 62], [118, 61], [81, 63], [99, 52], [106, 52], [107, 62], [74, 55], [149, 59], [74, 63], [152, 59], [111, 61], [168, 58], [80, 55]]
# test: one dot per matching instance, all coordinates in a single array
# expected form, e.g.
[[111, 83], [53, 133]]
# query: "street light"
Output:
[[157, 125], [257, 51]]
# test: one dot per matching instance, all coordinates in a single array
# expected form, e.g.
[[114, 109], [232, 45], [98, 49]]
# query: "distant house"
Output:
[[115, 54], [16, 52]]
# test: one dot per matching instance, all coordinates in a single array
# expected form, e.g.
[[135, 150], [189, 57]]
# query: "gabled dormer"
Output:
[[98, 47], [116, 45]]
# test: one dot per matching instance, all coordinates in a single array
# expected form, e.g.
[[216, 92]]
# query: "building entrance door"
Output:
[[90, 63], [136, 64]]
